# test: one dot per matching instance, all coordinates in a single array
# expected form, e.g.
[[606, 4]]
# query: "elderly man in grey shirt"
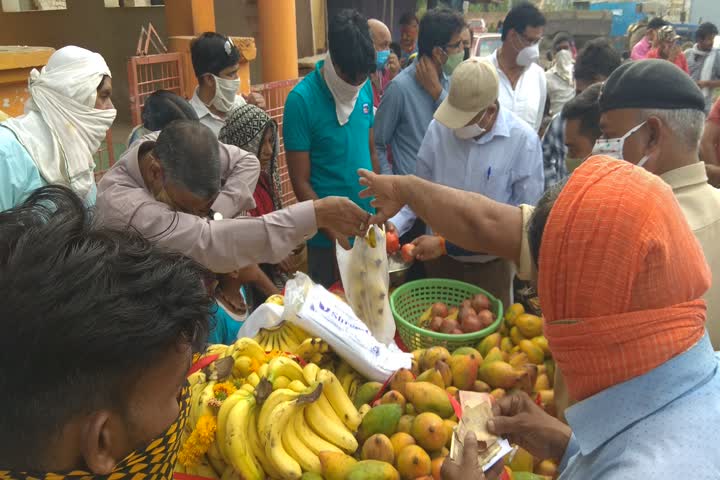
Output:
[[184, 189]]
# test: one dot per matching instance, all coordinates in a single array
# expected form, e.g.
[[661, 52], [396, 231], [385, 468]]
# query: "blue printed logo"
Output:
[[366, 108]]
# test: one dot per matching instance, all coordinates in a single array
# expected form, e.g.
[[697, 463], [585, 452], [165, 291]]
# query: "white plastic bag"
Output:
[[365, 278], [324, 315], [267, 315]]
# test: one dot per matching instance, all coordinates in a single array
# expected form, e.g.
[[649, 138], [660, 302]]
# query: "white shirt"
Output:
[[505, 164], [560, 92], [208, 118], [527, 100]]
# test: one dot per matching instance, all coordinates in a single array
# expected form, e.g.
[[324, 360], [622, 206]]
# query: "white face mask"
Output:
[[613, 147], [528, 55], [471, 131], [344, 94], [225, 93]]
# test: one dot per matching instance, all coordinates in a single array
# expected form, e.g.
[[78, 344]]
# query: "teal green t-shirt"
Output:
[[336, 152]]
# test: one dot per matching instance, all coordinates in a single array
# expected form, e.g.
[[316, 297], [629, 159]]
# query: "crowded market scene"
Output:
[[359, 239]]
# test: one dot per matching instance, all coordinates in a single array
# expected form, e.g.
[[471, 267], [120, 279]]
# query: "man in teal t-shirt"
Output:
[[328, 132]]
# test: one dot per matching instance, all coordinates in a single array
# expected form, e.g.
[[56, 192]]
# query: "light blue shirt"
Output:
[[402, 119], [664, 424], [505, 164], [19, 176]]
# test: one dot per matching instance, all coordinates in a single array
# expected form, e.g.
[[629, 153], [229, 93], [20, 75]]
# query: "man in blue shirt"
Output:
[[476, 145], [328, 131], [409, 102]]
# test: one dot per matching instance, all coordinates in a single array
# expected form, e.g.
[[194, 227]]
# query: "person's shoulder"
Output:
[[10, 146]]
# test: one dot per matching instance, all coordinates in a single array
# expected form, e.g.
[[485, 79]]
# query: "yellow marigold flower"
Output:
[[199, 441], [223, 390]]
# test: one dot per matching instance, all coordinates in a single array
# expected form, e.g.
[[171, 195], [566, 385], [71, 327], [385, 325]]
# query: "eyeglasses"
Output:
[[529, 41]]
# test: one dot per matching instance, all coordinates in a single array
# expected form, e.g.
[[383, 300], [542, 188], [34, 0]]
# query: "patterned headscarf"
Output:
[[244, 127], [621, 277]]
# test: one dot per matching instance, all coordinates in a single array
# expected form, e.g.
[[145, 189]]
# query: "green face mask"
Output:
[[452, 62]]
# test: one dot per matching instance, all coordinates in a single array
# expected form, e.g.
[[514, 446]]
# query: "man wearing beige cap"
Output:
[[475, 145]]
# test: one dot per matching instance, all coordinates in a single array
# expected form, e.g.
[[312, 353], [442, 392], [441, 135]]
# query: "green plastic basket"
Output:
[[412, 299]]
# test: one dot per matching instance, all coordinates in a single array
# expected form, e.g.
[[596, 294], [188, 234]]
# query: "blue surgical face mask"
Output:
[[381, 58]]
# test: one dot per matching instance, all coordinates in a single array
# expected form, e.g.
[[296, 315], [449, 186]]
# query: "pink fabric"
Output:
[[641, 49]]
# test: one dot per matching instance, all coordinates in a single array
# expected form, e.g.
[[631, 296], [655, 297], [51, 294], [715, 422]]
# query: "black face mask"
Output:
[[467, 54]]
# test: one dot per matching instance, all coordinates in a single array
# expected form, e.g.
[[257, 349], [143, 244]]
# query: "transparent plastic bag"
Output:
[[324, 315], [366, 280]]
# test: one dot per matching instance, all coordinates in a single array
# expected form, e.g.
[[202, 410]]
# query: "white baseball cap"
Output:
[[474, 86]]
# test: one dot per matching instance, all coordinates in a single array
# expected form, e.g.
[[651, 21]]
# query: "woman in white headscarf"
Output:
[[66, 118]]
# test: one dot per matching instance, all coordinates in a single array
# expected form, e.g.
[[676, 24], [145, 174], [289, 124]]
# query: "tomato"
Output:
[[407, 252], [392, 242]]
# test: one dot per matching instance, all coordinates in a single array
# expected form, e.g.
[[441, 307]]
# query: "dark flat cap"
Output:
[[651, 84]]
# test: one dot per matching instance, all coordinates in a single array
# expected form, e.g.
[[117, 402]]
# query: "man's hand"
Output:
[[467, 468], [387, 192], [426, 74], [255, 98], [393, 65], [521, 421], [713, 173], [341, 217], [702, 83], [428, 247]]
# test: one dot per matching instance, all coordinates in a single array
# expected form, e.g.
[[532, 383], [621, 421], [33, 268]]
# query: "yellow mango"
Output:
[[529, 325]]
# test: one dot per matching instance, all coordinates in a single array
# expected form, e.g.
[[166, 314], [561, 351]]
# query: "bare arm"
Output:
[[240, 171], [469, 220], [709, 143], [298, 164], [373, 153]]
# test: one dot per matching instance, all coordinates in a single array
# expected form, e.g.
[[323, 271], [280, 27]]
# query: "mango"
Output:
[[529, 325], [428, 397], [413, 462], [498, 393], [335, 465], [415, 367], [494, 355], [393, 397], [400, 378], [534, 353], [366, 393], [504, 330], [480, 386], [418, 354], [452, 391], [547, 397], [487, 343], [529, 476], [378, 447], [380, 419], [516, 336], [518, 359], [401, 440], [521, 462], [500, 374], [433, 355], [467, 351], [542, 342], [547, 467], [550, 370], [372, 470], [444, 452], [445, 372], [429, 432], [436, 467], [506, 344], [512, 312], [433, 376], [311, 476], [464, 371], [409, 409], [542, 383], [405, 423], [449, 427]]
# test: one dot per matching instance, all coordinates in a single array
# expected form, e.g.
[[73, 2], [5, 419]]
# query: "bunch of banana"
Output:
[[286, 337], [349, 378], [313, 350]]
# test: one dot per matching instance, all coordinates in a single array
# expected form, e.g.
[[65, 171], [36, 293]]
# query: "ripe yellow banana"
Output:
[[215, 459], [324, 421], [297, 449], [341, 403], [297, 333], [200, 406], [310, 373], [222, 416], [298, 386], [281, 382], [242, 367], [253, 379], [203, 469], [238, 425], [266, 411], [263, 370], [287, 466], [284, 366], [217, 349], [314, 441], [258, 447], [249, 348]]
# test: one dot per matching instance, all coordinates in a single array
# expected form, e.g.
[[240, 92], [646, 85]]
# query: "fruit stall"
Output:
[[296, 400]]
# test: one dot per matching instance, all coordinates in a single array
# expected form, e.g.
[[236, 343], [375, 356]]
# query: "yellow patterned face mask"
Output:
[[155, 462]]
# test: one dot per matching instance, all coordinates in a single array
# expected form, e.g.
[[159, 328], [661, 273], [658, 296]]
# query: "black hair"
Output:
[[561, 37], [189, 153], [407, 18], [657, 23], [213, 53], [85, 310], [539, 218], [396, 49], [163, 107], [351, 46], [586, 108], [596, 61], [705, 30], [521, 17], [437, 27]]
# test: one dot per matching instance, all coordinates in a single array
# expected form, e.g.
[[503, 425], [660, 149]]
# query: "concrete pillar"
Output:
[[278, 39]]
